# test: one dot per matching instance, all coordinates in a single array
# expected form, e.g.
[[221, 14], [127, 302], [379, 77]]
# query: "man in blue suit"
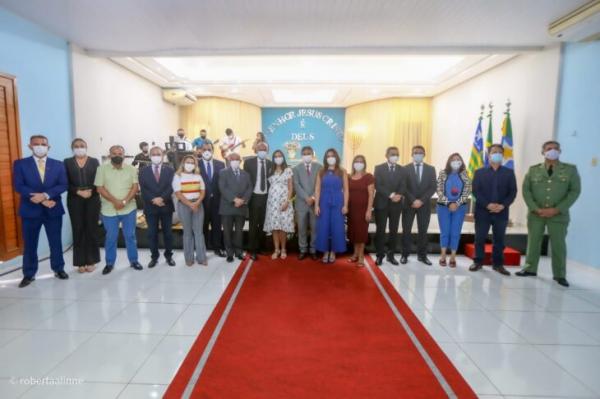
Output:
[[210, 169], [156, 185], [40, 181]]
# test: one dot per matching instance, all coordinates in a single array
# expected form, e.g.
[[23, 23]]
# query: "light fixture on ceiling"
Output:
[[301, 96]]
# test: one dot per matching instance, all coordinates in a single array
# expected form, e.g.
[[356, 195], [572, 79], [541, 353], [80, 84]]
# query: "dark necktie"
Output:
[[209, 171], [418, 173], [263, 176], [550, 170], [392, 168], [237, 174], [157, 173], [308, 169]]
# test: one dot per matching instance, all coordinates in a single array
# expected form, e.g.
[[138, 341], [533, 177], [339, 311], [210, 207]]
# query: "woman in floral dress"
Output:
[[279, 219]]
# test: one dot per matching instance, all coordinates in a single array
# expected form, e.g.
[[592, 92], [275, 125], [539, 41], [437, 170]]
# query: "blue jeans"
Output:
[[111, 226], [450, 225]]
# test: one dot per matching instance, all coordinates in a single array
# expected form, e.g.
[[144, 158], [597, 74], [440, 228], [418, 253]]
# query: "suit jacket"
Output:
[[387, 183], [27, 180], [425, 189], [151, 189], [304, 185], [232, 187], [494, 186], [251, 166], [212, 186]]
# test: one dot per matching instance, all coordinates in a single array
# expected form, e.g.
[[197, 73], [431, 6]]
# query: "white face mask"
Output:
[[418, 157], [359, 166], [307, 158], [207, 155], [552, 155], [331, 161], [40, 150], [189, 167], [79, 151], [261, 154], [393, 159], [235, 164], [156, 159], [455, 165], [278, 160]]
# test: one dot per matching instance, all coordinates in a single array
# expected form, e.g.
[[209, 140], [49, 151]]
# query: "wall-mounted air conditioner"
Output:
[[178, 97]]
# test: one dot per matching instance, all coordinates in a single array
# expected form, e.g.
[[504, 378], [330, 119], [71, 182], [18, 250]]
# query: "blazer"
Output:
[[387, 183], [151, 189], [251, 166], [498, 186], [304, 185], [441, 188], [425, 189], [232, 187], [27, 180], [211, 186]]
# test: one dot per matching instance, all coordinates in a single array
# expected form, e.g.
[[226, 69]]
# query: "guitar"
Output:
[[226, 150]]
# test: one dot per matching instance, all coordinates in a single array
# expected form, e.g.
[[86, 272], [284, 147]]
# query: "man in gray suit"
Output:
[[236, 189], [305, 177]]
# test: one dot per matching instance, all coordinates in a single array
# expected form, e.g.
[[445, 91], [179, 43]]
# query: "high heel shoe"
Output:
[[331, 257], [352, 259], [283, 254], [275, 254], [325, 257]]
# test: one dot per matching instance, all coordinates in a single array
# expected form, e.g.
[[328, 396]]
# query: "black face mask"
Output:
[[117, 160], [203, 136]]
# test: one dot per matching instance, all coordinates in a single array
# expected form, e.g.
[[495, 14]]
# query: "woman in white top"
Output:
[[279, 218], [189, 189]]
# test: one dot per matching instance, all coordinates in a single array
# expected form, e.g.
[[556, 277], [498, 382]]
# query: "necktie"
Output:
[[419, 173], [550, 171], [237, 175], [392, 168], [308, 169], [209, 171], [41, 164], [156, 173], [263, 176]]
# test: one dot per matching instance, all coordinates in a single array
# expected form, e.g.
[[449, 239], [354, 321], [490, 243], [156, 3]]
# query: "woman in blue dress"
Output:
[[331, 204]]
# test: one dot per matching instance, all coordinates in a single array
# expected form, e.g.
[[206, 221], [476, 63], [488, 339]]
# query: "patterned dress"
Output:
[[275, 218]]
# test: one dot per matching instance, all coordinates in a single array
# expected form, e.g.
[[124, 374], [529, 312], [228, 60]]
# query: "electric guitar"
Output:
[[228, 149]]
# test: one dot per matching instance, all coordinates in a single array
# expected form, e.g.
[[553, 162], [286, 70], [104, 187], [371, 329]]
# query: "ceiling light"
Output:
[[317, 96]]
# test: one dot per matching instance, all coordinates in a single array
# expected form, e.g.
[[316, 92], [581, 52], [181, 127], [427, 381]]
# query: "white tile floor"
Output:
[[124, 335]]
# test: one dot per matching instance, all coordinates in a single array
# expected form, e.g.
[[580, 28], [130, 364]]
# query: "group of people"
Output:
[[213, 198]]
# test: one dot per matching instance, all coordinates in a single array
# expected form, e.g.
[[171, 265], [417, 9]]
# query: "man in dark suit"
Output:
[[210, 169], [40, 181], [495, 189], [260, 169], [420, 187], [236, 189], [157, 191], [390, 186]]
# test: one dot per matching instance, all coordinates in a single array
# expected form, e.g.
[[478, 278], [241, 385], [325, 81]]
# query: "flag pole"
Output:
[[470, 217]]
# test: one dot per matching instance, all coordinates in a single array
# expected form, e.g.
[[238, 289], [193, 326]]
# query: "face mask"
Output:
[[144, 150], [203, 135], [359, 166], [189, 167], [40, 150], [116, 160], [278, 160], [393, 159], [331, 161], [180, 135], [307, 158], [234, 164], [207, 155], [156, 159], [552, 155], [455, 165], [496, 157], [79, 152], [261, 154], [418, 158]]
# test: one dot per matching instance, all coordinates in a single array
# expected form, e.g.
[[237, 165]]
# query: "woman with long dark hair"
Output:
[[361, 186], [331, 204]]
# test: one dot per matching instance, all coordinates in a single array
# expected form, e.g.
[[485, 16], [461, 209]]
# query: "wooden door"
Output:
[[11, 242]]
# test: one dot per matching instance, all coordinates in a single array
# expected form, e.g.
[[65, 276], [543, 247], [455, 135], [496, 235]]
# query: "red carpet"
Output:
[[308, 330]]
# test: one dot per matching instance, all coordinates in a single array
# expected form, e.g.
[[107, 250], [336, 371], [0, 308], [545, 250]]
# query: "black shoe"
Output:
[[152, 263], [26, 281], [107, 269], [525, 273], [314, 256], [302, 255], [392, 260], [230, 258], [379, 260], [240, 256], [562, 281], [475, 267], [500, 269], [61, 275], [136, 266], [425, 260], [220, 253], [404, 259], [253, 256], [170, 262]]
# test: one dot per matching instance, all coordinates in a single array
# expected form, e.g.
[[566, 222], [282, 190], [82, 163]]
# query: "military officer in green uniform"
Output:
[[549, 190]]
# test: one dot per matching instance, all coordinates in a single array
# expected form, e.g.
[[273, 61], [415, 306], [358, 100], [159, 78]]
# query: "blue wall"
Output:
[[578, 130], [41, 63]]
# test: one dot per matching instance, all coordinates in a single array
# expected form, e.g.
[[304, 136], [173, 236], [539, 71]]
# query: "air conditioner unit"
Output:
[[581, 25], [178, 97]]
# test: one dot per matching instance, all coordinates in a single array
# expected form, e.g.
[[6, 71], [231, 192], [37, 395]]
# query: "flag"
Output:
[[476, 160], [489, 140], [507, 141]]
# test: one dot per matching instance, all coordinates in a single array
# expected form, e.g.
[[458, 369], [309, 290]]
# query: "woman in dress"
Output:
[[260, 138], [453, 191], [279, 218], [189, 189], [361, 186], [83, 203], [331, 204]]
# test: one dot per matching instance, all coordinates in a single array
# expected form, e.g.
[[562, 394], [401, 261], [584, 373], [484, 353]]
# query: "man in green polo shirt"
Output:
[[549, 190], [117, 184]]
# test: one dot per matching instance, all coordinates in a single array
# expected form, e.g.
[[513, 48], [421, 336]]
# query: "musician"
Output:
[[143, 158], [201, 140], [180, 138], [230, 143]]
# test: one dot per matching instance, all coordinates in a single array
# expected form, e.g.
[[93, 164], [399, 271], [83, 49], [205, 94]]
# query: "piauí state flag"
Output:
[[476, 160], [507, 141], [489, 140]]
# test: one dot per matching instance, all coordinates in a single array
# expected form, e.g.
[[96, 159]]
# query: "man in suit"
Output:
[[236, 190], [305, 178], [156, 186], [260, 169], [390, 186], [40, 181], [210, 169], [420, 187]]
